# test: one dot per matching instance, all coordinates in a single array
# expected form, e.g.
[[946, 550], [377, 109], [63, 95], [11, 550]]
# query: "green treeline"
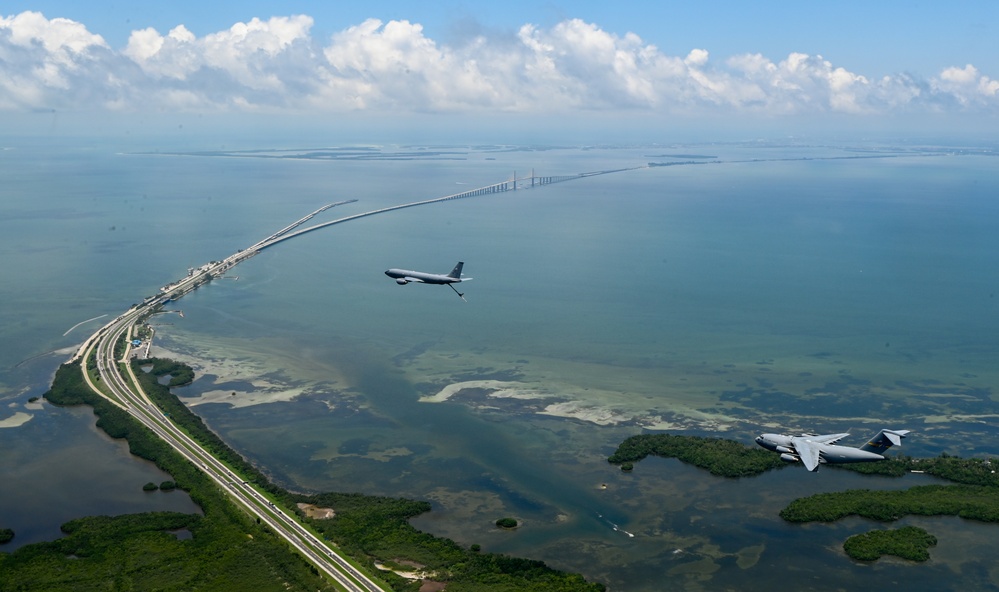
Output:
[[180, 374], [141, 552], [976, 495], [371, 528], [908, 542], [895, 466], [229, 550], [970, 471], [378, 527], [729, 458], [191, 423], [725, 458], [975, 502]]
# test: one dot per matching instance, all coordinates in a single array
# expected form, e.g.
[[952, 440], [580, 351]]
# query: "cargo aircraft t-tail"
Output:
[[813, 450], [405, 276]]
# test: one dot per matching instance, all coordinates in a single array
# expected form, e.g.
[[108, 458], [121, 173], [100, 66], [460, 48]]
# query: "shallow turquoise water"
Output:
[[820, 295]]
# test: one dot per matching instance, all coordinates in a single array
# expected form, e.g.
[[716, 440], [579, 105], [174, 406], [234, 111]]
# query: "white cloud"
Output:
[[968, 87], [250, 65], [574, 66], [696, 58], [394, 66], [42, 58], [60, 37], [960, 75]]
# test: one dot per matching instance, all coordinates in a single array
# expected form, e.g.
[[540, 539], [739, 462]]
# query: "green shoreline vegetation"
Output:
[[973, 502], [909, 542], [230, 550], [721, 457], [974, 496]]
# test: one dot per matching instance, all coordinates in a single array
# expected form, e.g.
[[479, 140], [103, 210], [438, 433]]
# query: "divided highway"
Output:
[[120, 386]]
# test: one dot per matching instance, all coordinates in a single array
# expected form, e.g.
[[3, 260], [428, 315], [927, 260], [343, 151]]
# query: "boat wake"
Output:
[[614, 527]]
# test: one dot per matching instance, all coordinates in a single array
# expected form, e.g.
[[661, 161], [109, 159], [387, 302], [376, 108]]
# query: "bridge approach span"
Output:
[[511, 185]]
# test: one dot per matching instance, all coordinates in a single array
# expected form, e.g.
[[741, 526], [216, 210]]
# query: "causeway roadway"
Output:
[[119, 385]]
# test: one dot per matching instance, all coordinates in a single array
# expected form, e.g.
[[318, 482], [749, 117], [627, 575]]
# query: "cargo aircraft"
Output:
[[405, 276], [813, 450]]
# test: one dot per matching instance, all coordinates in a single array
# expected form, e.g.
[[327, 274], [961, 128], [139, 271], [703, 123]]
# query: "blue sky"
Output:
[[739, 59], [871, 37]]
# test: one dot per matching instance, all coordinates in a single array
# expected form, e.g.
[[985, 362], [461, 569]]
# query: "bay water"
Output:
[[787, 287]]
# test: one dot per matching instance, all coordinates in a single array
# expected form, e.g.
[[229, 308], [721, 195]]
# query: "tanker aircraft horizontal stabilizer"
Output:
[[405, 276], [814, 450]]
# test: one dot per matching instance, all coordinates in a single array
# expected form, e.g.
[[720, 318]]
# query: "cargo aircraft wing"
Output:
[[809, 452], [827, 438]]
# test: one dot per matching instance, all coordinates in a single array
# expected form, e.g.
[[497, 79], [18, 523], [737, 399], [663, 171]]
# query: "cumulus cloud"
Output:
[[394, 66], [40, 58], [968, 86], [277, 64]]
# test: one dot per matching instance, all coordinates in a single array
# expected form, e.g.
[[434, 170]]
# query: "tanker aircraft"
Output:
[[813, 450], [405, 276]]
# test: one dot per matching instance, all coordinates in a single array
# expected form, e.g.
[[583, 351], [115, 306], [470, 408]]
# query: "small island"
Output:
[[908, 542], [725, 458], [6, 535], [507, 523]]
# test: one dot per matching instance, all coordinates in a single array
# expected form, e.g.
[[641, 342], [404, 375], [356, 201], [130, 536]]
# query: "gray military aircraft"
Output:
[[813, 450], [405, 276]]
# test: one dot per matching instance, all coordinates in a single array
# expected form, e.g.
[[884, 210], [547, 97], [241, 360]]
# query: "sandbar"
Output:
[[502, 389], [18, 419], [265, 390]]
